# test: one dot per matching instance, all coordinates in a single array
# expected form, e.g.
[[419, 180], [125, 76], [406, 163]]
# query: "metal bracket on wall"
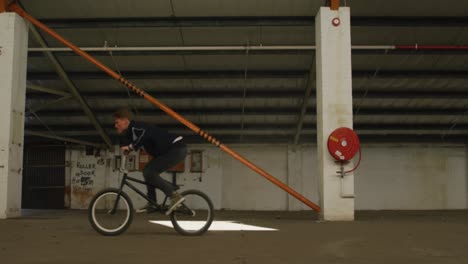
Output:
[[341, 174]]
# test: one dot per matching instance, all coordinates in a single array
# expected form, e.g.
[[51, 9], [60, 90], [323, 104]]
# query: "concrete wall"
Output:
[[390, 177]]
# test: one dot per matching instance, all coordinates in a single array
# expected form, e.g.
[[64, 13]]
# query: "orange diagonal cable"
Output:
[[14, 7], [3, 5]]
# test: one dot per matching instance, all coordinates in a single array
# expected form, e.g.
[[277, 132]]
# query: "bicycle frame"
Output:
[[125, 182]]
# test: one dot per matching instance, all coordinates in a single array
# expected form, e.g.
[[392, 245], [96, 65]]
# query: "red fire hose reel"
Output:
[[343, 144]]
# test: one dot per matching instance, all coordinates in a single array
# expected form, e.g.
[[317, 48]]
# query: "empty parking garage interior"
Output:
[[311, 131]]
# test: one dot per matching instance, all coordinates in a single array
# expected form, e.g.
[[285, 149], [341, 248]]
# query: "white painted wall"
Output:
[[244, 189], [302, 175], [389, 178], [404, 178]]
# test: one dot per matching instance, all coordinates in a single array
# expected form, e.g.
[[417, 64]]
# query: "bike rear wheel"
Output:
[[110, 212], [195, 215]]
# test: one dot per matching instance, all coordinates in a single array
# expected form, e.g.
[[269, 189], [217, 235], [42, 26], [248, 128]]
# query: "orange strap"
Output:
[[334, 4], [3, 5]]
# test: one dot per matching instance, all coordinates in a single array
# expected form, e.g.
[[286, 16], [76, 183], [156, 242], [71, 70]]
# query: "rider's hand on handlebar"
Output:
[[125, 149]]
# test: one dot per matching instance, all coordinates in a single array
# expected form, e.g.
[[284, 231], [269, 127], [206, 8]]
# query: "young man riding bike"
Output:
[[167, 150]]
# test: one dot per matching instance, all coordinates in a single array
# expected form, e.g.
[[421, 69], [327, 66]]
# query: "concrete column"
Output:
[[334, 107], [13, 58]]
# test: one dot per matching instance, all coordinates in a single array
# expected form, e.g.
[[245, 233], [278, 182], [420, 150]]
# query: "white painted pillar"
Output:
[[334, 107], [13, 59]]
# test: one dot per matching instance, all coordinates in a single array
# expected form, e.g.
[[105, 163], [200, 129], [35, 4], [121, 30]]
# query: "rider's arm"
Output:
[[139, 133]]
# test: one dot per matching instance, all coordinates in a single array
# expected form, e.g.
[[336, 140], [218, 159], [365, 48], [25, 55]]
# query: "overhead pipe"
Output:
[[181, 48], [14, 7], [252, 48]]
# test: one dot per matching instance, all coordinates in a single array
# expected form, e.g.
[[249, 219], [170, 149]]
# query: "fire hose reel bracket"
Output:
[[343, 144]]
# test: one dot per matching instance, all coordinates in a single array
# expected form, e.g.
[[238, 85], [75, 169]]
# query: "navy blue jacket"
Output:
[[153, 139]]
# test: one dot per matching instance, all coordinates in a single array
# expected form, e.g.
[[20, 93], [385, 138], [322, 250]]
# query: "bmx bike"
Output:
[[111, 210]]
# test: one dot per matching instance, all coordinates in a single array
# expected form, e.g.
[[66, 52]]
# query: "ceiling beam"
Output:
[[46, 90], [49, 103], [65, 139], [305, 100], [60, 71]]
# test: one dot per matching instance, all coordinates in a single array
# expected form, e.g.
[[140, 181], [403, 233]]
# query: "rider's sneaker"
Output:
[[176, 200], [148, 208]]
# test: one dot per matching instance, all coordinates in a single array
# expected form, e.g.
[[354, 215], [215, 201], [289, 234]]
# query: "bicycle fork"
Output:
[[114, 207]]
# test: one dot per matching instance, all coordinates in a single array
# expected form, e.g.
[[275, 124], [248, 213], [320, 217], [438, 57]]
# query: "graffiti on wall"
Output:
[[83, 180], [84, 175]]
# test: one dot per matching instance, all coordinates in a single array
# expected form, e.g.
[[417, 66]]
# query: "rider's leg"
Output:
[[160, 164]]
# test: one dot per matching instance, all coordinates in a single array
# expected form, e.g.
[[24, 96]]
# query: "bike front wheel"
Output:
[[195, 215], [110, 212]]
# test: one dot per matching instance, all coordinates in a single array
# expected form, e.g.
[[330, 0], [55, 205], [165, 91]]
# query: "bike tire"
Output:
[[206, 214], [97, 224]]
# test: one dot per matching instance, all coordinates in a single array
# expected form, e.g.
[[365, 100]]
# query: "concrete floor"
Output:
[[375, 237]]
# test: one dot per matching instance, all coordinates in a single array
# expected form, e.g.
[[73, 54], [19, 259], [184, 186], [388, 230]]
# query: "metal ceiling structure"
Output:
[[179, 53]]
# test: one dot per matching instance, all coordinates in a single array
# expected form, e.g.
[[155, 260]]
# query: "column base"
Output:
[[11, 213]]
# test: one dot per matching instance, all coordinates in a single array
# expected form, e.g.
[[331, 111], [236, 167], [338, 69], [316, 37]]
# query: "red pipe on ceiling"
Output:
[[431, 47]]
